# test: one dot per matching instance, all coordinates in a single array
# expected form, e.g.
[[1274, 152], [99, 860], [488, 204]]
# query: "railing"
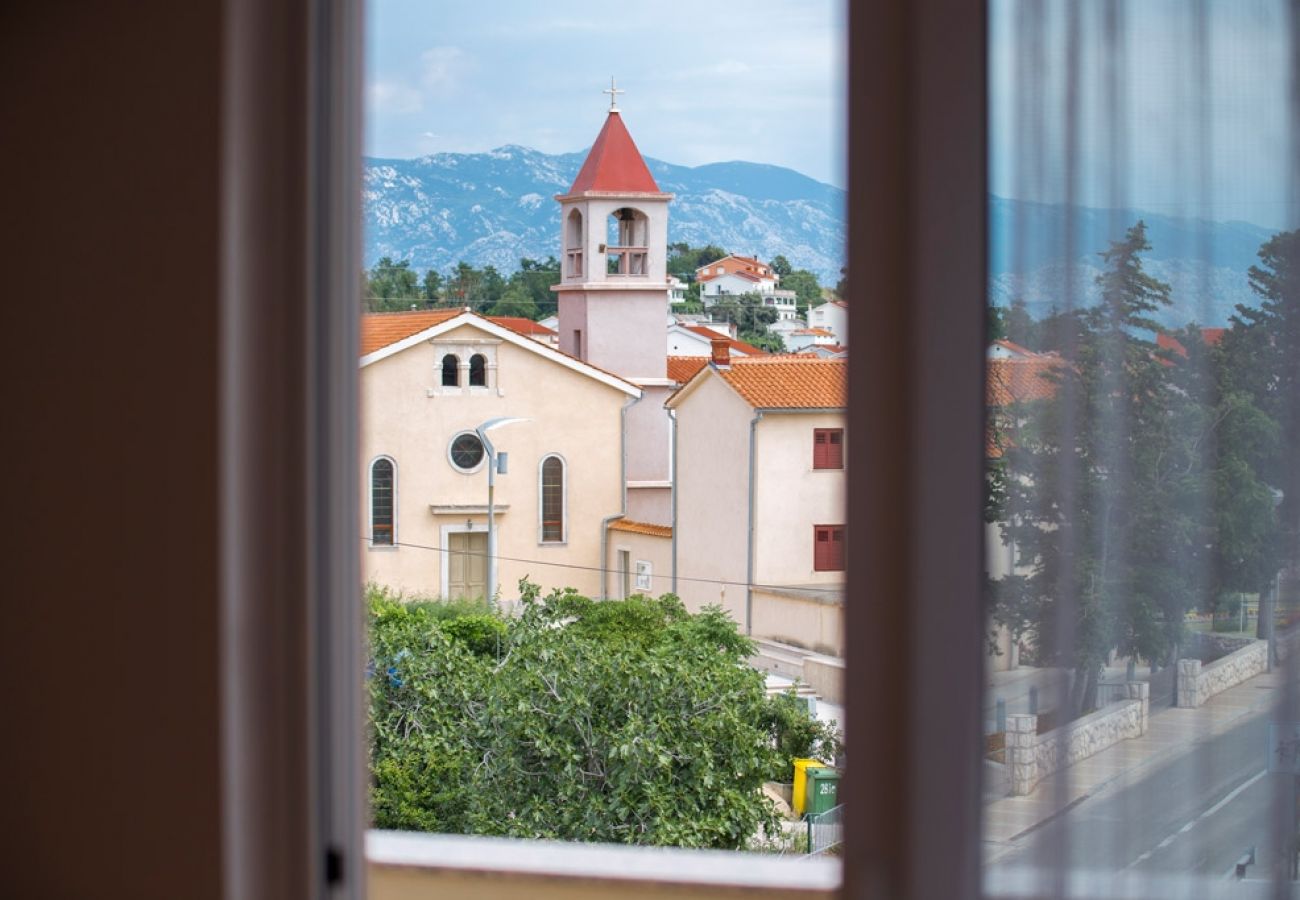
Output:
[[826, 831], [627, 260], [574, 267]]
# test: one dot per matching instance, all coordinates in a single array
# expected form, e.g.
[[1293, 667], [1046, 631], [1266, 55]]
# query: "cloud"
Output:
[[393, 98], [443, 67]]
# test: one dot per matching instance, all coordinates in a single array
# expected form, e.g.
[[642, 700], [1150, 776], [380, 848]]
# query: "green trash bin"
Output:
[[822, 791]]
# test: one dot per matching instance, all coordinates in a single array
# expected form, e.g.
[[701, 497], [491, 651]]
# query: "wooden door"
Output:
[[466, 565]]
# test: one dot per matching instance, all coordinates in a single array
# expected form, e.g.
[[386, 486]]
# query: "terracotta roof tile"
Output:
[[1021, 379], [664, 531], [732, 343], [378, 330], [682, 369], [523, 326], [789, 382], [614, 163]]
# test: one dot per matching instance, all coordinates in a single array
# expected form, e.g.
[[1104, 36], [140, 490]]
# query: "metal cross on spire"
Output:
[[613, 91]]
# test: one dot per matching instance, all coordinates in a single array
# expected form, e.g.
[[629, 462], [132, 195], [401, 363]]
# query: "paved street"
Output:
[[1189, 798]]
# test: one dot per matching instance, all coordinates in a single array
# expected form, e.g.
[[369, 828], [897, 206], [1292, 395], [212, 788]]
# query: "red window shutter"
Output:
[[835, 449], [828, 448], [828, 548]]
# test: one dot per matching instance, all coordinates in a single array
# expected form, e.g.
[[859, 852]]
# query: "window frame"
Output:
[[370, 503], [451, 460], [820, 564], [482, 370], [293, 770], [563, 539], [442, 378]]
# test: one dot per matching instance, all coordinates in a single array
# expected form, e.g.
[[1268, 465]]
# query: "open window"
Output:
[[626, 252]]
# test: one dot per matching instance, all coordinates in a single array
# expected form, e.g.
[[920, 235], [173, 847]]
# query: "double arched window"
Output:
[[552, 507], [383, 502]]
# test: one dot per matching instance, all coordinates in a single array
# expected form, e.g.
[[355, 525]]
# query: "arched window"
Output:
[[573, 243], [478, 370], [552, 505], [382, 498], [450, 370], [626, 252]]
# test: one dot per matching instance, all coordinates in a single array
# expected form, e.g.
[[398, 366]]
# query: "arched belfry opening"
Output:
[[573, 241], [627, 248]]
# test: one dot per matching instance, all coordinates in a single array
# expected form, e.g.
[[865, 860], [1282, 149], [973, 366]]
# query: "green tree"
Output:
[[391, 286], [432, 286], [781, 266], [626, 721], [808, 292], [515, 301], [748, 312]]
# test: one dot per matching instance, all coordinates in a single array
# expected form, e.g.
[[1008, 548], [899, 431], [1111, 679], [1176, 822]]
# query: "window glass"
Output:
[[1141, 489], [381, 502]]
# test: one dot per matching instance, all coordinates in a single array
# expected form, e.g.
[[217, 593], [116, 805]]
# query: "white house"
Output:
[[760, 447], [697, 340], [802, 338], [832, 316], [735, 275], [676, 291]]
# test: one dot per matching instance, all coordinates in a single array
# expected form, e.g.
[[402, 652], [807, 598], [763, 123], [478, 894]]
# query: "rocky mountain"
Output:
[[1204, 262], [493, 208]]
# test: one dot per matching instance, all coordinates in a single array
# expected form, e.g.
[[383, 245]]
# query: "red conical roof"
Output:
[[614, 163]]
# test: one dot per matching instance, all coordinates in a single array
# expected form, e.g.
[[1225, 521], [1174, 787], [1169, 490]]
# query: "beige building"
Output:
[[759, 526], [427, 380]]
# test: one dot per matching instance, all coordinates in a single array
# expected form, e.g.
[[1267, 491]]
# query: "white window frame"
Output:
[[644, 580], [370, 503], [564, 501]]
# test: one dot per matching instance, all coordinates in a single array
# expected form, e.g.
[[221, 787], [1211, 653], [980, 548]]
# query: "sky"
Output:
[[758, 80], [764, 81]]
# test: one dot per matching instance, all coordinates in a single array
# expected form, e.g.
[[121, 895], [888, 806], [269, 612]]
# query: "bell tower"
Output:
[[613, 297]]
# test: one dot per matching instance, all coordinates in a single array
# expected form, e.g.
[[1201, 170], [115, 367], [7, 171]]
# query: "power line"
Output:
[[604, 571]]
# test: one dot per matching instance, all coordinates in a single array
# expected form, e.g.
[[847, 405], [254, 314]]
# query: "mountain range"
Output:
[[493, 208]]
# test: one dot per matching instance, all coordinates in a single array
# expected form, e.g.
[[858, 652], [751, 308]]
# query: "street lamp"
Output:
[[492, 456]]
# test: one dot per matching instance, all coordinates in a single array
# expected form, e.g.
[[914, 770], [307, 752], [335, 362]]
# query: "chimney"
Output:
[[721, 353]]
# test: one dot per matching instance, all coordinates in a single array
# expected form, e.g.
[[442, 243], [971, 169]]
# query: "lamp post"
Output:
[[491, 452]]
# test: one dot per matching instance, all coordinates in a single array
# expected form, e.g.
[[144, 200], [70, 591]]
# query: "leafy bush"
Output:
[[626, 721], [797, 735], [480, 633]]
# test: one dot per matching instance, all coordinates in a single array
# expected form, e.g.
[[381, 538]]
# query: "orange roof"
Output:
[[732, 343], [664, 531], [1020, 380], [1210, 336], [523, 326], [614, 163], [1014, 347], [789, 382], [378, 330], [682, 369], [745, 266]]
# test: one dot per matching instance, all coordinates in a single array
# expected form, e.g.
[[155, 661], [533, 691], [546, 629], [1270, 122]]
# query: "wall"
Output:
[[812, 622], [713, 496], [1031, 757], [792, 497], [570, 414], [1198, 682], [648, 457], [112, 122], [658, 551]]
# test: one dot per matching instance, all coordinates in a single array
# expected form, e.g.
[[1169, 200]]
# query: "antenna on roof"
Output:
[[613, 91]]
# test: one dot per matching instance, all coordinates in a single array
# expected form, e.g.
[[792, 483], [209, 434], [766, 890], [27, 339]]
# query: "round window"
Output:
[[466, 451]]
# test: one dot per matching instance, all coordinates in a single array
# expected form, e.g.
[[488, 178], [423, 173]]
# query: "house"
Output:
[[676, 291], [427, 379], [736, 275], [801, 338], [832, 316], [697, 340], [759, 528]]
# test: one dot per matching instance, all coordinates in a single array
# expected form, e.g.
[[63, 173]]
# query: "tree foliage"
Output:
[[627, 721]]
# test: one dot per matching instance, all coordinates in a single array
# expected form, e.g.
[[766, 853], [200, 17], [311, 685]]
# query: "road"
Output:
[[1193, 815]]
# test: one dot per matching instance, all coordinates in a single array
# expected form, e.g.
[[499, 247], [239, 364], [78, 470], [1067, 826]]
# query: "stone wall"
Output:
[[1208, 646], [1031, 756], [1198, 682]]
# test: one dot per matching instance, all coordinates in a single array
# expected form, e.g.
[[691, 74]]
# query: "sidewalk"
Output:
[[1170, 733]]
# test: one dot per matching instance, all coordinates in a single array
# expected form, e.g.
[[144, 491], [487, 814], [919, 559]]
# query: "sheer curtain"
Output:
[[1143, 478]]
